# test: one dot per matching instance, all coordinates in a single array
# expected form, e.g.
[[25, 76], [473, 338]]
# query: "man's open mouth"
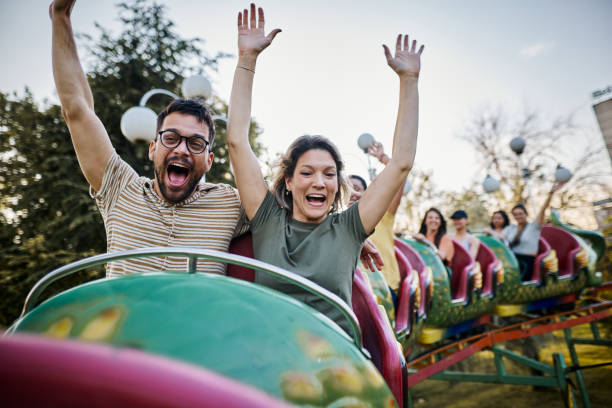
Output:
[[177, 173]]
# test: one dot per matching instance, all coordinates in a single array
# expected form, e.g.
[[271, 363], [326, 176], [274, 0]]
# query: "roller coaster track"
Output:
[[439, 359]]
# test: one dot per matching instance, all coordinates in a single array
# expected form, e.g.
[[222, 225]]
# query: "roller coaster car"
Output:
[[566, 247], [595, 239], [449, 315], [378, 337], [234, 329], [409, 297], [563, 267], [490, 267], [463, 275], [424, 272], [540, 271]]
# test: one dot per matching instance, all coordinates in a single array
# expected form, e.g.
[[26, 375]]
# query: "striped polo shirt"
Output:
[[136, 217]]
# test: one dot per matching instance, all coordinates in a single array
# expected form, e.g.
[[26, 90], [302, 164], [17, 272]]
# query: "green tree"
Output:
[[47, 216]]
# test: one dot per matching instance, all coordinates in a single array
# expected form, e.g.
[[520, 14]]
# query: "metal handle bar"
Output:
[[426, 242], [192, 254]]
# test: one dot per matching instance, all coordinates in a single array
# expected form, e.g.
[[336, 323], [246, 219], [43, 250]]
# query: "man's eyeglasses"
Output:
[[171, 139]]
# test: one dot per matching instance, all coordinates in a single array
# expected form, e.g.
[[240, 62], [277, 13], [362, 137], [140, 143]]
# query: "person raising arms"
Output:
[[524, 236], [297, 225], [173, 209]]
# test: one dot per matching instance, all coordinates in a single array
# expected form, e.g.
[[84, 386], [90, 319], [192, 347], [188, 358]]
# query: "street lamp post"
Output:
[[365, 140]]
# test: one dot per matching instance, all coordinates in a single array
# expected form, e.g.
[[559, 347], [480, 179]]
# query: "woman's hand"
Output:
[[251, 36], [407, 61]]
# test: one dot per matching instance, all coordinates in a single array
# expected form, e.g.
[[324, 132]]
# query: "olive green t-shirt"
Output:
[[326, 253]]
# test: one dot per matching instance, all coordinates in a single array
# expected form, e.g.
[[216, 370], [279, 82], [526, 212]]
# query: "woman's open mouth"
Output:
[[316, 199]]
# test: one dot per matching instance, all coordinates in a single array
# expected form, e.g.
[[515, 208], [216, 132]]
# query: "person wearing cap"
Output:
[[467, 240]]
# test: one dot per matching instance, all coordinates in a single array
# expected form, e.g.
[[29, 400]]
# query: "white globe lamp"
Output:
[[490, 184], [196, 86], [139, 123], [364, 141], [562, 174], [407, 187], [518, 145]]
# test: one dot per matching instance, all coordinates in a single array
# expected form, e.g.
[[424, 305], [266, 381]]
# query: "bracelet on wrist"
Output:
[[248, 69]]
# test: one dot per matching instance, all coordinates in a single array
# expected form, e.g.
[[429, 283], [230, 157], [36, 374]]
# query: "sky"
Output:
[[326, 72]]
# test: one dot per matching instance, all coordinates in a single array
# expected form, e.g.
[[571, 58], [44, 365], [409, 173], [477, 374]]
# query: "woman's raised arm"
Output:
[[407, 64], [542, 213], [251, 42]]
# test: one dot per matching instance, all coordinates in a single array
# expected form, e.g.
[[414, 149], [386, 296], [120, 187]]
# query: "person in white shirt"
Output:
[[524, 236]]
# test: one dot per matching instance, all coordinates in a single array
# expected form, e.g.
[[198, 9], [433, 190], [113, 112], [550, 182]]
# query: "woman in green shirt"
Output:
[[297, 226]]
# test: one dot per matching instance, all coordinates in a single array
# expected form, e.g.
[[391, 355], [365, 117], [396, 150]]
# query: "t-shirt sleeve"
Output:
[[508, 232], [242, 226], [269, 208], [116, 176], [351, 220]]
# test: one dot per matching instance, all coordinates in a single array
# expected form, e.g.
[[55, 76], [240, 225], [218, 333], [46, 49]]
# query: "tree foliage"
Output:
[[48, 218]]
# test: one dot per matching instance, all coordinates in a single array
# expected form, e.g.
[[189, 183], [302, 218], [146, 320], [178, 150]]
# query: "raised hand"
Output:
[[407, 61], [557, 186], [376, 150], [58, 7], [251, 36]]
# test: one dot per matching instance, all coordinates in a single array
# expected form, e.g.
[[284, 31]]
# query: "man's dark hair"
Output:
[[191, 107], [361, 180]]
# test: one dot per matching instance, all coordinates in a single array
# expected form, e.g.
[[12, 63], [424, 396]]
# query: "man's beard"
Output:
[[187, 190]]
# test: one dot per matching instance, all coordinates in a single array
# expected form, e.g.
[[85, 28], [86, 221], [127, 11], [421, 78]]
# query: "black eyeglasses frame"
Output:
[[181, 137]]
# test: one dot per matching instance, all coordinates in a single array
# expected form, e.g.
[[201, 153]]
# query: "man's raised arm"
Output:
[[91, 142]]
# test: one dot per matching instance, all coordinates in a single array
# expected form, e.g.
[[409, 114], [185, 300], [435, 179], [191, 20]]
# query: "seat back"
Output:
[[425, 279], [242, 245], [488, 265], [543, 251], [378, 337], [461, 267], [405, 313], [566, 247]]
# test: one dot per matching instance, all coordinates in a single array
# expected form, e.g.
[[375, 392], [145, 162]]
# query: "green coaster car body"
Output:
[[240, 330]]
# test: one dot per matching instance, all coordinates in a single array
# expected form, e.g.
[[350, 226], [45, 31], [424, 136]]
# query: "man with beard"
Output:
[[174, 209]]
